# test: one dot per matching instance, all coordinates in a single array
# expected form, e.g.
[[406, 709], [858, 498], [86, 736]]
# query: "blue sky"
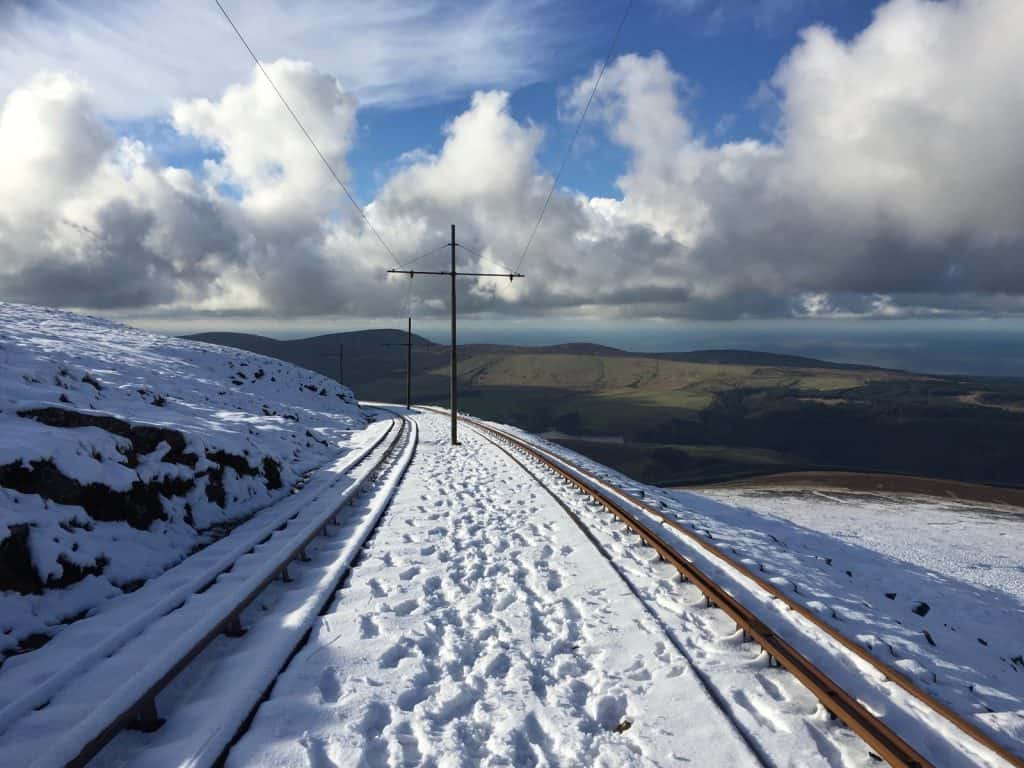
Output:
[[727, 57], [727, 51]]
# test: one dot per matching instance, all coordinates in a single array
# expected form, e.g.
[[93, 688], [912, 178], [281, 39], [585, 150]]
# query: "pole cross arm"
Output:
[[414, 272]]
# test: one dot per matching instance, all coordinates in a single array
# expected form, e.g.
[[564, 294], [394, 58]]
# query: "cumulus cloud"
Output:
[[894, 186], [85, 216], [262, 152], [894, 173]]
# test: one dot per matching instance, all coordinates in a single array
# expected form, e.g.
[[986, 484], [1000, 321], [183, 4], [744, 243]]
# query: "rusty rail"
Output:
[[869, 727]]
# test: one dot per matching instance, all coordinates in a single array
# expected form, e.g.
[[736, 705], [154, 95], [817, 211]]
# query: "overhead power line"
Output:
[[306, 134], [424, 255], [481, 256], [576, 133]]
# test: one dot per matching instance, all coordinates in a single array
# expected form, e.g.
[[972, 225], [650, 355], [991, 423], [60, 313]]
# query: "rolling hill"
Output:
[[695, 417]]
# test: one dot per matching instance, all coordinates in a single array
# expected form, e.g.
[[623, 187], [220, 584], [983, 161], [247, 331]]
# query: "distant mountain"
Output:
[[684, 417], [374, 362]]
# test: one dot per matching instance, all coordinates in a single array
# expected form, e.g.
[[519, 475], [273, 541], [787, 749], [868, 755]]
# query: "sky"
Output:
[[812, 170]]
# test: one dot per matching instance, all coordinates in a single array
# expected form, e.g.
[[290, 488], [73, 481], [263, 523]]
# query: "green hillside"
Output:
[[701, 416]]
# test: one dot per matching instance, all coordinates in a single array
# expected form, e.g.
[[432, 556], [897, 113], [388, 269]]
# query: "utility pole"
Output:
[[340, 354], [408, 368], [453, 274], [408, 364], [453, 397]]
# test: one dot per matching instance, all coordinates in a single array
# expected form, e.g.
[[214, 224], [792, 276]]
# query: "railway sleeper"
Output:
[[233, 627], [146, 719]]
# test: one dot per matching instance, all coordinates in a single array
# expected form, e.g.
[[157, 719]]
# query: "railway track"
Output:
[[910, 731], [220, 611]]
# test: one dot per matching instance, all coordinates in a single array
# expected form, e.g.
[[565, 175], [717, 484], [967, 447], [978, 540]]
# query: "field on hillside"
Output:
[[683, 422], [686, 418]]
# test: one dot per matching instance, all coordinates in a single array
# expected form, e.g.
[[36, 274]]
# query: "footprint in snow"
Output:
[[329, 685], [499, 666], [316, 753], [367, 627], [405, 607]]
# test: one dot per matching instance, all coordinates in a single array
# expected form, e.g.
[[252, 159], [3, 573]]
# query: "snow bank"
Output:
[[121, 451]]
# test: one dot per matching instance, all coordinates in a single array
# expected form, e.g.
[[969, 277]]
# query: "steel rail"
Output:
[[715, 695], [143, 704], [891, 674], [837, 701], [40, 694], [768, 639], [339, 582]]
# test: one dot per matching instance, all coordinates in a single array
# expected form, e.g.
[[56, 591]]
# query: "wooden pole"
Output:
[[454, 394], [452, 274], [408, 369]]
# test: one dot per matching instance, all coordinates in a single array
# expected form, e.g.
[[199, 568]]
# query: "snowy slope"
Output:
[[973, 542], [122, 451]]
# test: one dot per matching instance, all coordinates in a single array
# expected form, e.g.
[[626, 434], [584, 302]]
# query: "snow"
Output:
[[483, 628], [972, 542], [221, 401], [480, 624], [130, 642], [961, 643]]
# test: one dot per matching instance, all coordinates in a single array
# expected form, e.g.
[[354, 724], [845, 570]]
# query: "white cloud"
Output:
[[896, 169], [264, 152], [895, 187]]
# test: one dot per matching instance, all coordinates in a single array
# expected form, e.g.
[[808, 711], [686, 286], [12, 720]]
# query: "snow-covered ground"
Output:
[[122, 451], [483, 628], [973, 542], [962, 643], [482, 625]]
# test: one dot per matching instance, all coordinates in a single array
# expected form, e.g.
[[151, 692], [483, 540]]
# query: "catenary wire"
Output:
[[310, 138], [480, 255], [576, 133], [424, 255]]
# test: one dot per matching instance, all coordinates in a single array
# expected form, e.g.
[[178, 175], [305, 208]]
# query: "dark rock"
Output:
[[144, 437], [16, 570], [272, 472], [139, 506], [18, 574]]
